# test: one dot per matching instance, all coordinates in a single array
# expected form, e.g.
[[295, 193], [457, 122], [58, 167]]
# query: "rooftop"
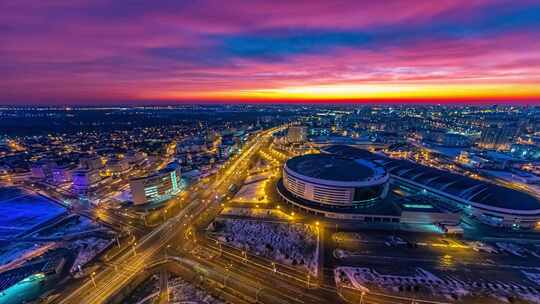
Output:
[[331, 167], [167, 169], [464, 187], [350, 152]]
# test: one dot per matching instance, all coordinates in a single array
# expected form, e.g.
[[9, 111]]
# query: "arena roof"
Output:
[[463, 187], [351, 152], [331, 167]]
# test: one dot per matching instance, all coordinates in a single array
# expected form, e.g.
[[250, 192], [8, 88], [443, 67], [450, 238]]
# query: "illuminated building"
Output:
[[330, 180], [332, 186], [91, 162], [354, 189], [118, 166], [84, 179], [62, 174], [43, 170], [135, 158], [156, 187], [527, 152], [443, 139], [297, 134], [487, 202]]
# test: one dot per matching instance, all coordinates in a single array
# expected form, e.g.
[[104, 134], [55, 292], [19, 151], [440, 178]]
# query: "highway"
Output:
[[108, 280], [255, 278]]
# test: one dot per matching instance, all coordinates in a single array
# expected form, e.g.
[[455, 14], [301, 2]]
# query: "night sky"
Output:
[[99, 52]]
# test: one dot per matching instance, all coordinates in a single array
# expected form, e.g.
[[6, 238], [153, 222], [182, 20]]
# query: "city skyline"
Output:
[[270, 204], [104, 52]]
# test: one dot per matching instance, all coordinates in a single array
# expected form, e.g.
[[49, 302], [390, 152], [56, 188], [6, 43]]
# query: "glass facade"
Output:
[[365, 194]]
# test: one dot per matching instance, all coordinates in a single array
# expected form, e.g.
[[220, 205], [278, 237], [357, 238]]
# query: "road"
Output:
[[107, 281], [254, 277]]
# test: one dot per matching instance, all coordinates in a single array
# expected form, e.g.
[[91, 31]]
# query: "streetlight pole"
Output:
[[133, 247], [362, 297], [259, 289], [227, 269], [167, 291], [92, 275]]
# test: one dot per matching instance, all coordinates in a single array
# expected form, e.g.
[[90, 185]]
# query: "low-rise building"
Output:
[[84, 179], [156, 187], [62, 174], [118, 167], [92, 162]]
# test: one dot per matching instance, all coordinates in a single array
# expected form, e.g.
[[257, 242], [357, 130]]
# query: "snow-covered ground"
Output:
[[88, 249], [146, 292], [347, 237], [13, 251], [512, 248], [182, 291], [72, 225], [291, 244], [251, 193], [257, 177], [14, 254], [123, 196], [418, 280], [10, 192], [22, 211], [256, 213], [525, 251], [482, 247]]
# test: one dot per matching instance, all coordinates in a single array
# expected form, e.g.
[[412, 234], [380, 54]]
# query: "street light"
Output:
[[362, 297], [92, 275], [227, 269], [257, 293]]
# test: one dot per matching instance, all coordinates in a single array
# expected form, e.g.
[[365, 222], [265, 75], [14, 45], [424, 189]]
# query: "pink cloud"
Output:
[[79, 49]]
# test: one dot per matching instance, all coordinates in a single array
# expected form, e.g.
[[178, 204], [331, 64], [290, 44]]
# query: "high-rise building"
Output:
[[297, 134], [156, 187]]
